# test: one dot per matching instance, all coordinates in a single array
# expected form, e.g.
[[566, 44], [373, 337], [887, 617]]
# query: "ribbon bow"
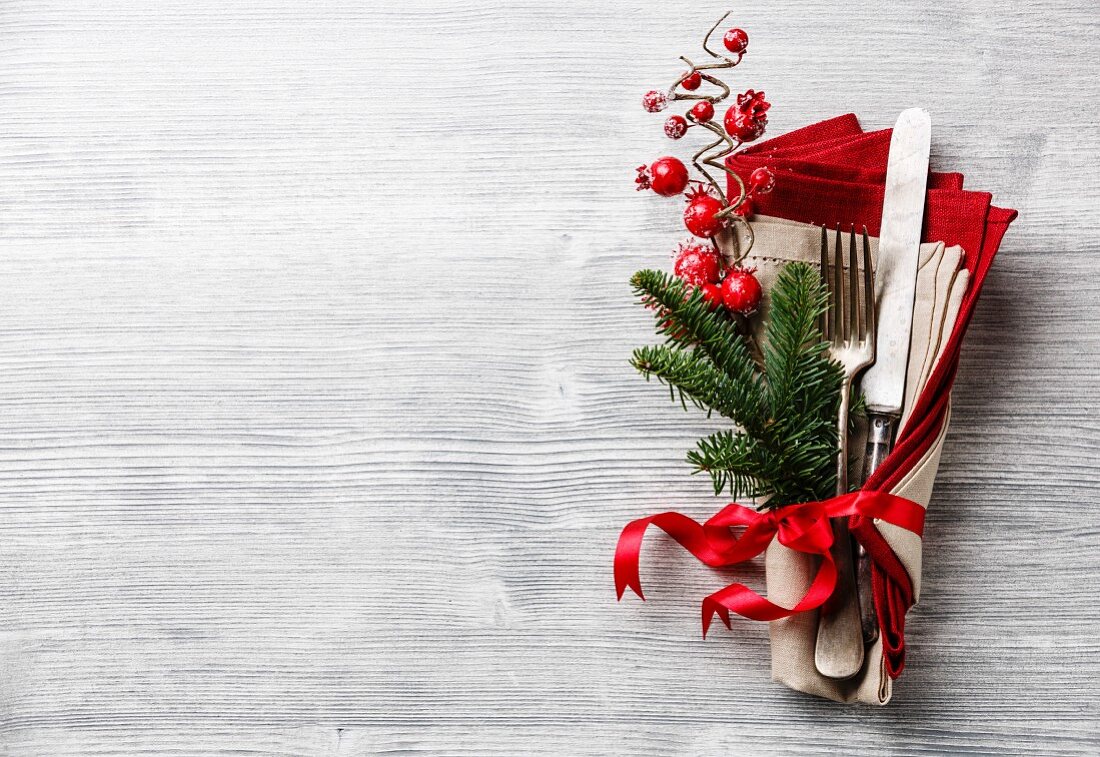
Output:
[[803, 527]]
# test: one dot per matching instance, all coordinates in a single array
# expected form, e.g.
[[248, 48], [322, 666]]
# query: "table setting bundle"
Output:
[[818, 307]]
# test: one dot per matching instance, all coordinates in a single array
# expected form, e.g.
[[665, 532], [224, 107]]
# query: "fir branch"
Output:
[[792, 341], [857, 409], [693, 375], [785, 449], [803, 388], [733, 460], [686, 320]]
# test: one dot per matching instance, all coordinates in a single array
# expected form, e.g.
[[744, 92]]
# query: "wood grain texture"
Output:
[[316, 426]]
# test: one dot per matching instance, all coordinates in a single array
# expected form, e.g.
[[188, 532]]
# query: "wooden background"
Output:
[[316, 426]]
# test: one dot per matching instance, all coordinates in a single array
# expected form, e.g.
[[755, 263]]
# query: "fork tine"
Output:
[[868, 292], [853, 288], [826, 317], [840, 332]]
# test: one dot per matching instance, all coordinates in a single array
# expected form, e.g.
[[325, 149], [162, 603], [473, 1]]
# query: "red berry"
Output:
[[762, 181], [676, 127], [700, 215], [712, 293], [743, 129], [654, 101], [692, 81], [741, 291], [698, 264], [702, 111], [736, 41], [666, 176], [745, 208], [747, 119]]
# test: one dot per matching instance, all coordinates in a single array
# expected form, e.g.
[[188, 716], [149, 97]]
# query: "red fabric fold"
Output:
[[833, 173]]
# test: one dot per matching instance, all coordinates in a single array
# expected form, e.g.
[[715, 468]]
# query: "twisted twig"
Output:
[[713, 155]]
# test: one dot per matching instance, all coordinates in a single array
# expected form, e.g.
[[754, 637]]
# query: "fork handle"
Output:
[[838, 650], [880, 440], [842, 437]]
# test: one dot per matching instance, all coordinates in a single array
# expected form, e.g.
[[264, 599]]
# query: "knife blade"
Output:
[[898, 248], [883, 384]]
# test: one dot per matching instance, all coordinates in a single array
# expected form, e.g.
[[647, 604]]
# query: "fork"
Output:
[[850, 331]]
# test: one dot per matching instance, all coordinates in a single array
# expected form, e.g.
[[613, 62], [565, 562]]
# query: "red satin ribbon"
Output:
[[802, 527]]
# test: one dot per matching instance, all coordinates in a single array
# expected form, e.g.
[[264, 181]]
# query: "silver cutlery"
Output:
[[883, 385], [849, 327]]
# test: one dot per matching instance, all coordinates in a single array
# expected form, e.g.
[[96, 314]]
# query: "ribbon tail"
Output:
[[712, 608], [709, 545], [626, 559], [740, 599]]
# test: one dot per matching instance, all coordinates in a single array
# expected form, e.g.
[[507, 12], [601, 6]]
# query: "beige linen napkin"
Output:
[[941, 284]]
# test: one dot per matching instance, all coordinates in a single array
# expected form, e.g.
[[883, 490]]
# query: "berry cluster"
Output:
[[710, 209], [733, 287]]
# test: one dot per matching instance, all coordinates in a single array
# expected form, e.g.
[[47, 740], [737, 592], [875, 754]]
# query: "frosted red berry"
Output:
[[743, 129], [761, 181], [701, 214], [747, 120], [741, 291], [692, 81], [712, 294], [702, 111], [736, 41], [654, 101], [698, 264], [666, 176], [676, 127]]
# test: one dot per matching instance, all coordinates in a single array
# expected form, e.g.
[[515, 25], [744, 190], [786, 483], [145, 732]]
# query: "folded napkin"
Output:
[[833, 172], [940, 286]]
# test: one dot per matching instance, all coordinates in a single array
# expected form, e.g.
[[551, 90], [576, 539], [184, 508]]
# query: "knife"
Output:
[[883, 384]]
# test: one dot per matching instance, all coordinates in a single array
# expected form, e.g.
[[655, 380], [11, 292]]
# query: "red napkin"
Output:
[[833, 173]]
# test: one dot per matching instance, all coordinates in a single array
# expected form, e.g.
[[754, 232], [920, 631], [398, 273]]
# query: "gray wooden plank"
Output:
[[317, 428]]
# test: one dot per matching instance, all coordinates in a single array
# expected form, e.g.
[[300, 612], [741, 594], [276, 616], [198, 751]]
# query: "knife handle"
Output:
[[880, 440]]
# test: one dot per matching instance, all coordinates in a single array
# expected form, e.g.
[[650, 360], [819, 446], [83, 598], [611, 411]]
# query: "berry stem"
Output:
[[706, 42], [708, 158], [711, 66], [713, 155], [674, 95], [715, 160]]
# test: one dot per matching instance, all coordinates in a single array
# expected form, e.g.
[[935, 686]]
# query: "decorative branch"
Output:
[[743, 122]]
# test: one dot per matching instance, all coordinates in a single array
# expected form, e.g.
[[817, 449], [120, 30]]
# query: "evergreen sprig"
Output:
[[785, 405], [694, 335]]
